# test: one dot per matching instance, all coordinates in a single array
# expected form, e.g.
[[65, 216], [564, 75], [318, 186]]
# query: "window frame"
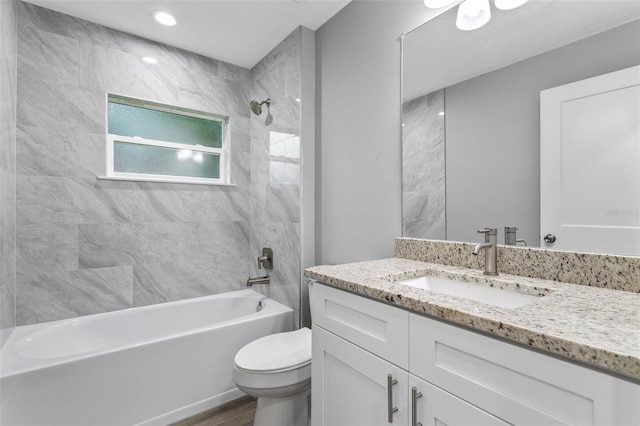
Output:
[[111, 139]]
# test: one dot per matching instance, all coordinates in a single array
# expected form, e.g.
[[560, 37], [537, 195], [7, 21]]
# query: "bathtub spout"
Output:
[[258, 280]]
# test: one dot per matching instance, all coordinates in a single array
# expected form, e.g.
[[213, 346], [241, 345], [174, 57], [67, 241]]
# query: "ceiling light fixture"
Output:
[[164, 18], [473, 14]]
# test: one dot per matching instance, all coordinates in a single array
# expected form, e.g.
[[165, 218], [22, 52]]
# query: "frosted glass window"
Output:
[[127, 120], [153, 160], [157, 142]]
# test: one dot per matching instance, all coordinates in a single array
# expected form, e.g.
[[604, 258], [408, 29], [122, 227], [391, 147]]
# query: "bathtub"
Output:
[[150, 366]]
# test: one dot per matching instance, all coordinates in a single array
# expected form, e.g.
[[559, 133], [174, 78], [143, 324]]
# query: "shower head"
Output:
[[257, 107]]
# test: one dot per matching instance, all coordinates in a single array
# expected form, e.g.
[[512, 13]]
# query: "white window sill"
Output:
[[163, 180]]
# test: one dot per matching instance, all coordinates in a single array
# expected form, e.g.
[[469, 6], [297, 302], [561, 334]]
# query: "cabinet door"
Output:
[[517, 384], [433, 406], [349, 386]]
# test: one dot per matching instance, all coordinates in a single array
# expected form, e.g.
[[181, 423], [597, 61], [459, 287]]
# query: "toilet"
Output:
[[276, 369]]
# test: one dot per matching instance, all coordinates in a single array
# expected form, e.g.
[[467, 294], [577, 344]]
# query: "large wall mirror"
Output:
[[471, 116]]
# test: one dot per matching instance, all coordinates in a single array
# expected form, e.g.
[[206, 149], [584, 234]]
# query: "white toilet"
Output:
[[277, 370]]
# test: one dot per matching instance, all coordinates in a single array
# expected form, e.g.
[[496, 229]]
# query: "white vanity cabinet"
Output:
[[353, 387], [369, 356], [350, 386], [359, 350]]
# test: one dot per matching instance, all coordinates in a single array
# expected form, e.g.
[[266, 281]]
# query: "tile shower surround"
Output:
[[86, 246], [8, 105], [423, 182]]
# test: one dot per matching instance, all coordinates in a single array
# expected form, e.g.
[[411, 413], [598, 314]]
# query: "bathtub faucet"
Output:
[[258, 280]]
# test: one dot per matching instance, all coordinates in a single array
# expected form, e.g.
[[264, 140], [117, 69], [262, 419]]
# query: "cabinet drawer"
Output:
[[374, 326], [516, 384]]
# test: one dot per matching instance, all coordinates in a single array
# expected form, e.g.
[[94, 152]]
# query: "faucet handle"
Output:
[[266, 259], [490, 231], [490, 234]]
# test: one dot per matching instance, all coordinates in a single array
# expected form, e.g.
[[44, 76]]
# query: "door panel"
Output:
[[590, 164]]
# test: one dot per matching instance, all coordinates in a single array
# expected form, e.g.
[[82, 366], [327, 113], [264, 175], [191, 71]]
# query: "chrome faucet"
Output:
[[490, 247], [510, 238]]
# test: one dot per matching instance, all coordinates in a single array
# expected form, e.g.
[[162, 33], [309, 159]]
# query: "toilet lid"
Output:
[[276, 352]]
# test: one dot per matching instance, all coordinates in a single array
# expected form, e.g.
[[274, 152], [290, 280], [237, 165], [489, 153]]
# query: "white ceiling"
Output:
[[447, 55], [239, 32]]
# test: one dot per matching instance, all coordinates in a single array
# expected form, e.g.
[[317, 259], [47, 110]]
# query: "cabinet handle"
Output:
[[414, 406], [390, 408]]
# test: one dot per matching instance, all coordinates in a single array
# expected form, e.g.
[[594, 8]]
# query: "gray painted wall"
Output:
[[358, 182], [86, 246], [308, 150], [493, 133], [8, 106]]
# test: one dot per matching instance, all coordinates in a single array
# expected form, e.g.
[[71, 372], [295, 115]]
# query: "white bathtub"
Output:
[[152, 365]]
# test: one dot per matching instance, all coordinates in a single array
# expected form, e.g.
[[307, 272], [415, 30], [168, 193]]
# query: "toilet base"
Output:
[[291, 410]]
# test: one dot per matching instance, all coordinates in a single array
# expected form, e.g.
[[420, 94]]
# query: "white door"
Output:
[[434, 406], [349, 386], [590, 164]]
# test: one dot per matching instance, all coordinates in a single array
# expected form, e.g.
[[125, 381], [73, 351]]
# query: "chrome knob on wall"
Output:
[[549, 238]]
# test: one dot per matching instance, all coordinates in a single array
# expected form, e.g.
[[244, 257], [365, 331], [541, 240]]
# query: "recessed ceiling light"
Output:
[[149, 60], [164, 18]]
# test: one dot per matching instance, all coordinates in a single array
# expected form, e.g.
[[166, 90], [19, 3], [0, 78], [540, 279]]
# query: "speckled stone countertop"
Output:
[[596, 326]]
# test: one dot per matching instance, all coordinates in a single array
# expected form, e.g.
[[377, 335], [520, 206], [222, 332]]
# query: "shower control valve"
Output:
[[266, 259]]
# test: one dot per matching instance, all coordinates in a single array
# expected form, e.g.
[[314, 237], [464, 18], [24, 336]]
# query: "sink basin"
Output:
[[471, 291]]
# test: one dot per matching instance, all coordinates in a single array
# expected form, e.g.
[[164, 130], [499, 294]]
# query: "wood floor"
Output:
[[235, 413]]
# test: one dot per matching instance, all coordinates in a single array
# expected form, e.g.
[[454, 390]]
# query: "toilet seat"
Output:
[[277, 362], [276, 353]]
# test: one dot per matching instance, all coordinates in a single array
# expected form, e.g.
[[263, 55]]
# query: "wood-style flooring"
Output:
[[239, 412]]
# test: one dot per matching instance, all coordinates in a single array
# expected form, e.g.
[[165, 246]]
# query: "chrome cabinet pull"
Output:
[[390, 408], [414, 406]]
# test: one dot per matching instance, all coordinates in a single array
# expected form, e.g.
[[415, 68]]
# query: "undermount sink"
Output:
[[471, 291]]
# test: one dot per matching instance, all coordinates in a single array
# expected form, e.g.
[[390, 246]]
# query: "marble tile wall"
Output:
[[275, 169], [423, 167], [86, 245], [8, 105], [590, 269]]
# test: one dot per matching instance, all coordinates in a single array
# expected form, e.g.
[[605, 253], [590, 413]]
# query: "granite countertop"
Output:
[[595, 326]]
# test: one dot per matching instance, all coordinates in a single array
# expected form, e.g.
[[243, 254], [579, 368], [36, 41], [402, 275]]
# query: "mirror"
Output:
[[471, 110]]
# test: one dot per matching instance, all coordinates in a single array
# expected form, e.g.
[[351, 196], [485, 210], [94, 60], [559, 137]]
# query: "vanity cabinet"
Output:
[[368, 357], [354, 387]]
